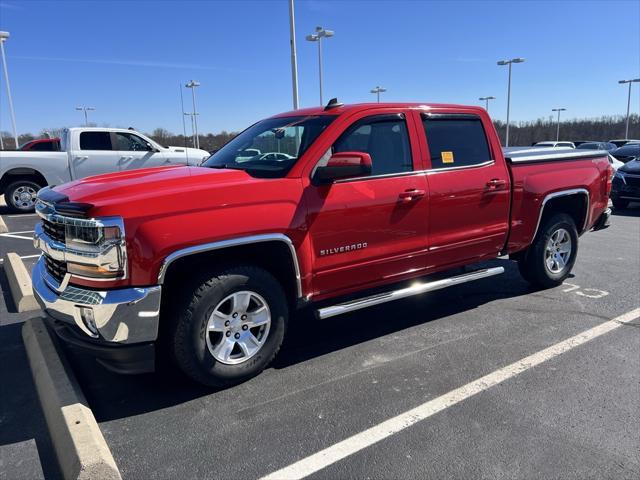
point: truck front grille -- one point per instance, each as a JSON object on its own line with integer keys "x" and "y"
{"x": 632, "y": 181}
{"x": 56, "y": 268}
{"x": 54, "y": 230}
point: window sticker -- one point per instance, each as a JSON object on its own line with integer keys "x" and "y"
{"x": 447, "y": 157}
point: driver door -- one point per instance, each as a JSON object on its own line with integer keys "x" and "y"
{"x": 135, "y": 152}
{"x": 371, "y": 230}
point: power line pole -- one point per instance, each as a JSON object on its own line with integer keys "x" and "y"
{"x": 3, "y": 38}
{"x": 294, "y": 55}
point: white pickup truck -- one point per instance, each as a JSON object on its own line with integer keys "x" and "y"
{"x": 84, "y": 152}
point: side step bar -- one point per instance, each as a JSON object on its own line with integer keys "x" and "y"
{"x": 415, "y": 289}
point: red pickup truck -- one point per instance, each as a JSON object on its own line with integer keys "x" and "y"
{"x": 334, "y": 208}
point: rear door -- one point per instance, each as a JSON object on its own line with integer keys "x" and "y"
{"x": 94, "y": 154}
{"x": 370, "y": 230}
{"x": 469, "y": 189}
{"x": 135, "y": 152}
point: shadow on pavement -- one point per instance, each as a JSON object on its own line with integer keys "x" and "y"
{"x": 21, "y": 418}
{"x": 114, "y": 396}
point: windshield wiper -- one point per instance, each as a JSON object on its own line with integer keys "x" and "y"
{"x": 226, "y": 165}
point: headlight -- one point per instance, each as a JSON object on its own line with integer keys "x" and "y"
{"x": 95, "y": 248}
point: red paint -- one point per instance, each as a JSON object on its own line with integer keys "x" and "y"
{"x": 411, "y": 224}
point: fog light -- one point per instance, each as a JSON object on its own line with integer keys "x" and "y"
{"x": 86, "y": 314}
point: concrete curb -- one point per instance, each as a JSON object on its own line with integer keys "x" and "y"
{"x": 80, "y": 448}
{"x": 19, "y": 283}
{"x": 3, "y": 226}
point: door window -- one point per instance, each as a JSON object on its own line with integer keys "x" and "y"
{"x": 384, "y": 138}
{"x": 130, "y": 142}
{"x": 456, "y": 142}
{"x": 95, "y": 141}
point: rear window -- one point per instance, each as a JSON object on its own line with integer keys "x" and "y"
{"x": 45, "y": 146}
{"x": 95, "y": 141}
{"x": 456, "y": 142}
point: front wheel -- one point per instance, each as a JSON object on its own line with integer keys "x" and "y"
{"x": 551, "y": 256}
{"x": 21, "y": 196}
{"x": 231, "y": 327}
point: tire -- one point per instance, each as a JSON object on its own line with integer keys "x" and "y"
{"x": 619, "y": 203}
{"x": 544, "y": 265}
{"x": 208, "y": 358}
{"x": 16, "y": 196}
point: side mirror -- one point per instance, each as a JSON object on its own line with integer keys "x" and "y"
{"x": 343, "y": 165}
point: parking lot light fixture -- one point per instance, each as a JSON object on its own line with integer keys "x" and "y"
{"x": 634, "y": 80}
{"x": 558, "y": 128}
{"x": 317, "y": 37}
{"x": 193, "y": 84}
{"x": 509, "y": 63}
{"x": 486, "y": 102}
{"x": 3, "y": 38}
{"x": 378, "y": 90}
{"x": 85, "y": 110}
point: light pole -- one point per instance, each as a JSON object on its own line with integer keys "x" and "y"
{"x": 378, "y": 90}
{"x": 626, "y": 131}
{"x": 558, "y": 128}
{"x": 192, "y": 85}
{"x": 486, "y": 101}
{"x": 509, "y": 62}
{"x": 86, "y": 117}
{"x": 317, "y": 37}
{"x": 3, "y": 38}
{"x": 294, "y": 55}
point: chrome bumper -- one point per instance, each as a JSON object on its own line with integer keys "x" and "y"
{"x": 122, "y": 316}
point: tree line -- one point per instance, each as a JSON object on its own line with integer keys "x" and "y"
{"x": 520, "y": 133}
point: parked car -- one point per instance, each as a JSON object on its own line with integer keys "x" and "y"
{"x": 555, "y": 144}
{"x": 622, "y": 142}
{"x": 267, "y": 156}
{"x": 626, "y": 184}
{"x": 42, "y": 145}
{"x": 607, "y": 146}
{"x": 83, "y": 152}
{"x": 629, "y": 152}
{"x": 207, "y": 265}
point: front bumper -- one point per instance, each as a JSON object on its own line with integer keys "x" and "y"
{"x": 626, "y": 190}
{"x": 106, "y": 323}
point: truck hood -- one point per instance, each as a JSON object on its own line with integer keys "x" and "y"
{"x": 631, "y": 167}
{"x": 144, "y": 186}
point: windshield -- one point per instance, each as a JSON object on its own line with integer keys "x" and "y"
{"x": 590, "y": 146}
{"x": 270, "y": 147}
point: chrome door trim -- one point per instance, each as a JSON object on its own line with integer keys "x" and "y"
{"x": 234, "y": 242}
{"x": 564, "y": 193}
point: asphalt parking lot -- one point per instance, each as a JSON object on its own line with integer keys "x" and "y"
{"x": 573, "y": 416}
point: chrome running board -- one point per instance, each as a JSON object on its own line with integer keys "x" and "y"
{"x": 415, "y": 289}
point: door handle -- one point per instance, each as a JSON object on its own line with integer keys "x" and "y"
{"x": 125, "y": 159}
{"x": 412, "y": 194}
{"x": 496, "y": 184}
{"x": 81, "y": 158}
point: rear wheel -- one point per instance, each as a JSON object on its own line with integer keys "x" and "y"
{"x": 550, "y": 258}
{"x": 21, "y": 195}
{"x": 620, "y": 203}
{"x": 231, "y": 327}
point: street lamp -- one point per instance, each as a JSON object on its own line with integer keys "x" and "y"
{"x": 626, "y": 131}
{"x": 294, "y": 55}
{"x": 486, "y": 101}
{"x": 3, "y": 38}
{"x": 192, "y": 85}
{"x": 86, "y": 117}
{"x": 558, "y": 128}
{"x": 378, "y": 90}
{"x": 509, "y": 62}
{"x": 317, "y": 37}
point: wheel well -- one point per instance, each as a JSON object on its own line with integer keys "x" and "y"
{"x": 574, "y": 205}
{"x": 275, "y": 257}
{"x": 21, "y": 174}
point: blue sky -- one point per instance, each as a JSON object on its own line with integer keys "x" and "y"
{"x": 127, "y": 58}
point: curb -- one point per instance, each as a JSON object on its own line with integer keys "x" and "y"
{"x": 3, "y": 226}
{"x": 19, "y": 283}
{"x": 80, "y": 448}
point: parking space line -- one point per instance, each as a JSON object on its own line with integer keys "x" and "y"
{"x": 13, "y": 235}
{"x": 362, "y": 440}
